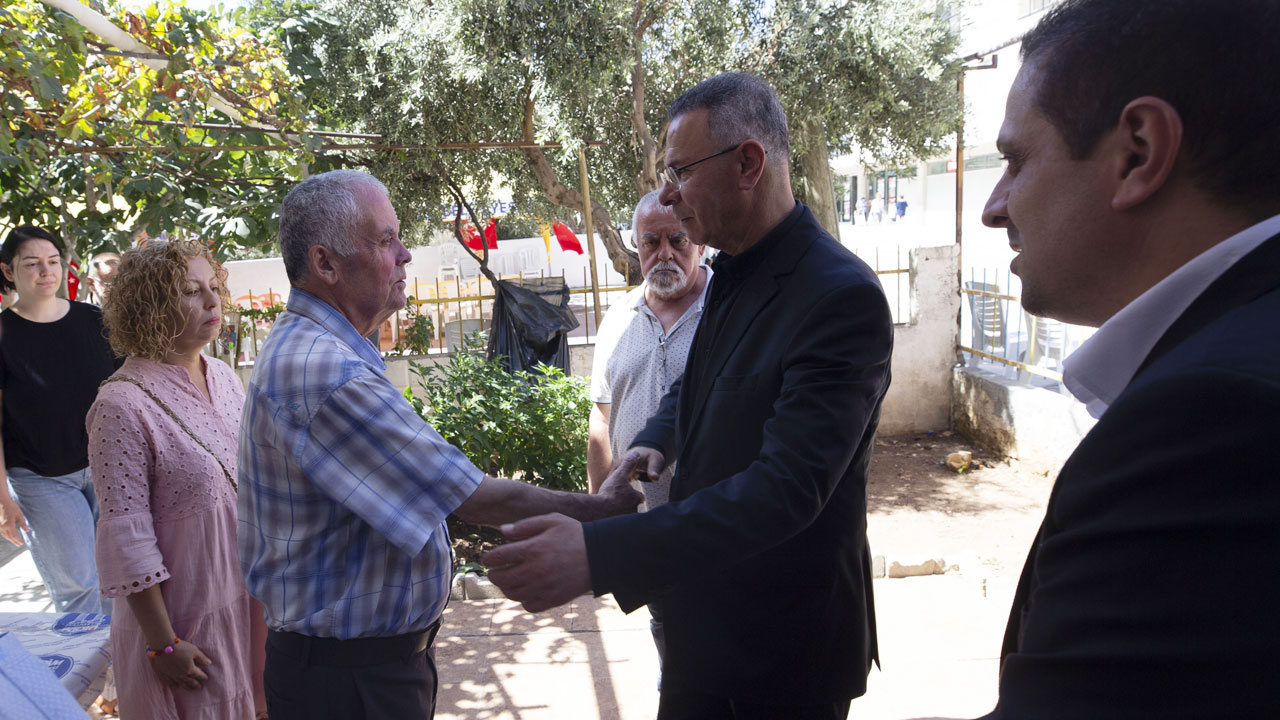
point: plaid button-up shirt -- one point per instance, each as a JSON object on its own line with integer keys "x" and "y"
{"x": 343, "y": 488}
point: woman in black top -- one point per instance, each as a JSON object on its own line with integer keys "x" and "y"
{"x": 52, "y": 359}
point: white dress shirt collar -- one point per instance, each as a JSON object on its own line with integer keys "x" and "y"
{"x": 1102, "y": 367}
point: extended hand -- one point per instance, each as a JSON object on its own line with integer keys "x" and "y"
{"x": 619, "y": 497}
{"x": 640, "y": 463}
{"x": 547, "y": 568}
{"x": 184, "y": 667}
{"x": 11, "y": 518}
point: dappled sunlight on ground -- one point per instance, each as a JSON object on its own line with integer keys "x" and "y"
{"x": 497, "y": 662}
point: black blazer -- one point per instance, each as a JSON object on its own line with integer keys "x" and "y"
{"x": 1149, "y": 592}
{"x": 760, "y": 560}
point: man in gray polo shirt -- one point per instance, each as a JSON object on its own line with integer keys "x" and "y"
{"x": 642, "y": 347}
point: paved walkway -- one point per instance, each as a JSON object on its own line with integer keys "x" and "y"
{"x": 21, "y": 589}
{"x": 939, "y": 639}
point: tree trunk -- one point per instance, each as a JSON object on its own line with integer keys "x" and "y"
{"x": 815, "y": 169}
{"x": 625, "y": 261}
{"x": 648, "y": 180}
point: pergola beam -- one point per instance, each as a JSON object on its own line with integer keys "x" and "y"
{"x": 114, "y": 149}
{"x": 114, "y": 35}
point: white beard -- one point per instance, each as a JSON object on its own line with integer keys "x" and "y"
{"x": 666, "y": 279}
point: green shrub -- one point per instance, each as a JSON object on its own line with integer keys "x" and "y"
{"x": 269, "y": 313}
{"x": 416, "y": 339}
{"x": 532, "y": 426}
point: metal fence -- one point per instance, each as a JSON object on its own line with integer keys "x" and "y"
{"x": 893, "y": 266}
{"x": 996, "y": 332}
{"x": 459, "y": 305}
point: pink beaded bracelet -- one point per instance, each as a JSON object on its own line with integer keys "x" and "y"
{"x": 167, "y": 650}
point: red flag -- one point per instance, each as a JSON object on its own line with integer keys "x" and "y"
{"x": 568, "y": 241}
{"x": 73, "y": 280}
{"x": 491, "y": 234}
{"x": 475, "y": 242}
{"x": 471, "y": 237}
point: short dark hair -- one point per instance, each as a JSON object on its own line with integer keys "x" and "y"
{"x": 740, "y": 106}
{"x": 15, "y": 240}
{"x": 1214, "y": 62}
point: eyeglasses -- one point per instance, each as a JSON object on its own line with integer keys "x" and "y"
{"x": 648, "y": 242}
{"x": 672, "y": 174}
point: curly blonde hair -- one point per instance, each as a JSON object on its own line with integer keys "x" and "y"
{"x": 141, "y": 305}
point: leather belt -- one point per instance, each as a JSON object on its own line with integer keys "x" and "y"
{"x": 356, "y": 652}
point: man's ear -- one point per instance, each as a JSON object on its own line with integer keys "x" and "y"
{"x": 322, "y": 264}
{"x": 1148, "y": 140}
{"x": 751, "y": 157}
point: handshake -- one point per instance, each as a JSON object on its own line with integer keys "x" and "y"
{"x": 547, "y": 565}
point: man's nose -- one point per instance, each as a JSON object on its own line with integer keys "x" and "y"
{"x": 996, "y": 212}
{"x": 669, "y": 194}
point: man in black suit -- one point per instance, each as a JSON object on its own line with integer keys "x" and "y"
{"x": 761, "y": 558}
{"x": 1141, "y": 193}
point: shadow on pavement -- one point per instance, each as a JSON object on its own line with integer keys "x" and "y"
{"x": 586, "y": 659}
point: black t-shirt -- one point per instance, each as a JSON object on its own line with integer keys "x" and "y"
{"x": 49, "y": 376}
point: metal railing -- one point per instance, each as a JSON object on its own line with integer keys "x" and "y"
{"x": 453, "y": 301}
{"x": 464, "y": 304}
{"x": 996, "y": 331}
{"x": 893, "y": 266}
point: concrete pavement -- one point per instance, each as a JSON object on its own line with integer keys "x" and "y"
{"x": 939, "y": 644}
{"x": 939, "y": 639}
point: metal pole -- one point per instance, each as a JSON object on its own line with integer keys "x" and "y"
{"x": 960, "y": 163}
{"x": 995, "y": 62}
{"x": 586, "y": 218}
{"x": 960, "y": 214}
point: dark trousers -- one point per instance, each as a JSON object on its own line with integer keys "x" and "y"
{"x": 310, "y": 678}
{"x": 659, "y": 633}
{"x": 685, "y": 704}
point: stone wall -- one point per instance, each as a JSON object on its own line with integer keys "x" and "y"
{"x": 924, "y": 351}
{"x": 1038, "y": 427}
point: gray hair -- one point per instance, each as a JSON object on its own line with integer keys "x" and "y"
{"x": 740, "y": 106}
{"x": 322, "y": 210}
{"x": 650, "y": 198}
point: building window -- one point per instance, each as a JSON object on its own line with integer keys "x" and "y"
{"x": 983, "y": 162}
{"x": 1031, "y": 7}
{"x": 973, "y": 162}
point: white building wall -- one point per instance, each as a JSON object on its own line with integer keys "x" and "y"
{"x": 262, "y": 282}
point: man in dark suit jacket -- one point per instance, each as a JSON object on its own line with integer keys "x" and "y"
{"x": 1142, "y": 193}
{"x": 760, "y": 559}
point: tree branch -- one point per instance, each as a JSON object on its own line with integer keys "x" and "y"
{"x": 647, "y": 180}
{"x": 626, "y": 262}
{"x": 460, "y": 203}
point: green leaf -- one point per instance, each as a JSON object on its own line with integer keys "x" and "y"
{"x": 49, "y": 88}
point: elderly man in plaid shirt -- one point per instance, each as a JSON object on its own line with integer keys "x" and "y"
{"x": 344, "y": 490}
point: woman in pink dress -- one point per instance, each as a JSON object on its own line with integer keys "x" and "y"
{"x": 186, "y": 641}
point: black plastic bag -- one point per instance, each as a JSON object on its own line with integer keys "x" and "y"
{"x": 531, "y": 324}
